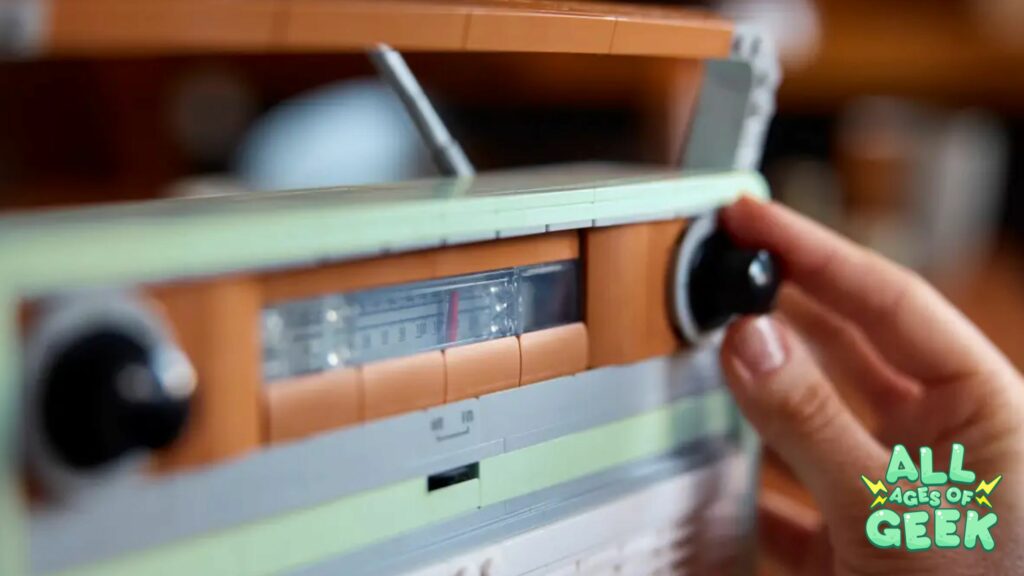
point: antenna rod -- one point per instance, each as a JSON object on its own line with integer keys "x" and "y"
{"x": 445, "y": 150}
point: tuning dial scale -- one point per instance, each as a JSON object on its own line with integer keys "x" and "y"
{"x": 105, "y": 384}
{"x": 716, "y": 280}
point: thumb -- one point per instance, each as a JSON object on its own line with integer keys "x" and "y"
{"x": 793, "y": 405}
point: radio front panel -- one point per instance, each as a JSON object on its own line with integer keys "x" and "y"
{"x": 506, "y": 374}
{"x": 430, "y": 373}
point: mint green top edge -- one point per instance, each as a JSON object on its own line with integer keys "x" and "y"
{"x": 164, "y": 240}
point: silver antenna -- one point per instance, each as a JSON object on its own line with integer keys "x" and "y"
{"x": 445, "y": 150}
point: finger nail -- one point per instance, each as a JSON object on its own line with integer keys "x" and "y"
{"x": 757, "y": 346}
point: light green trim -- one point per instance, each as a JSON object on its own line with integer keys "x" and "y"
{"x": 305, "y": 536}
{"x": 564, "y": 459}
{"x": 192, "y": 237}
{"x": 297, "y": 538}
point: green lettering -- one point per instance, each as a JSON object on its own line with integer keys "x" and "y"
{"x": 929, "y": 477}
{"x": 896, "y": 496}
{"x": 910, "y": 498}
{"x": 978, "y": 529}
{"x": 914, "y": 527}
{"x": 945, "y": 528}
{"x": 887, "y": 538}
{"x": 953, "y": 495}
{"x": 967, "y": 497}
{"x": 901, "y": 466}
{"x": 956, "y": 467}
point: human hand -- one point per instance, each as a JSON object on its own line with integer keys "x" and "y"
{"x": 930, "y": 376}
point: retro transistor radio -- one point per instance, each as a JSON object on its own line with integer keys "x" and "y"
{"x": 495, "y": 374}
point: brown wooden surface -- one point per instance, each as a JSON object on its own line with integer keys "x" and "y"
{"x": 931, "y": 51}
{"x": 176, "y": 26}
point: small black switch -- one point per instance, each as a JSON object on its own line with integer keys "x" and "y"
{"x": 727, "y": 280}
{"x": 453, "y": 476}
{"x": 107, "y": 393}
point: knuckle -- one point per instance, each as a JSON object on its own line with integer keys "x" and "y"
{"x": 807, "y": 409}
{"x": 907, "y": 287}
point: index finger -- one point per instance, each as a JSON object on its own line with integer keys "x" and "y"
{"x": 911, "y": 325}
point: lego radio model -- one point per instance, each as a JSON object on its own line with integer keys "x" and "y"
{"x": 501, "y": 374}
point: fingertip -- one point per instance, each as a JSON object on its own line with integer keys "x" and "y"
{"x": 757, "y": 343}
{"x": 743, "y": 215}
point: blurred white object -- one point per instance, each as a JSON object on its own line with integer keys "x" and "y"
{"x": 352, "y": 133}
{"x": 793, "y": 24}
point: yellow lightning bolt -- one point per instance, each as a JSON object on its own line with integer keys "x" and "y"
{"x": 986, "y": 488}
{"x": 875, "y": 488}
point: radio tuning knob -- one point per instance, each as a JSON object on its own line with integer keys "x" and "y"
{"x": 716, "y": 280}
{"x": 727, "y": 281}
{"x": 106, "y": 393}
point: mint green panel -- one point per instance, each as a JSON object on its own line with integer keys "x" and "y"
{"x": 300, "y": 537}
{"x": 571, "y": 457}
{"x": 174, "y": 239}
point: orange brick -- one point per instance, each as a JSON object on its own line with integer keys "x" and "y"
{"x": 628, "y": 311}
{"x": 403, "y": 384}
{"x": 507, "y": 253}
{"x": 553, "y": 352}
{"x": 305, "y": 405}
{"x": 540, "y": 32}
{"x": 216, "y": 324}
{"x": 160, "y": 25}
{"x": 324, "y": 24}
{"x": 482, "y": 368}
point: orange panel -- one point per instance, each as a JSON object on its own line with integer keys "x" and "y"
{"x": 403, "y": 25}
{"x": 553, "y": 352}
{"x": 482, "y": 368}
{"x": 663, "y": 243}
{"x": 531, "y": 26}
{"x": 521, "y": 251}
{"x": 309, "y": 404}
{"x": 349, "y": 276}
{"x": 149, "y": 25}
{"x": 708, "y": 38}
{"x": 416, "y": 266}
{"x": 540, "y": 32}
{"x": 616, "y": 293}
{"x": 403, "y": 384}
{"x": 628, "y": 311}
{"x": 216, "y": 323}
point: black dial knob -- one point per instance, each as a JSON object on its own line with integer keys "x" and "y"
{"x": 727, "y": 280}
{"x": 106, "y": 393}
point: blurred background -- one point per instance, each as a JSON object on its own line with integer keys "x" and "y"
{"x": 900, "y": 123}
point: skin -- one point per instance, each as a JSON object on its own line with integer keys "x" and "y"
{"x": 927, "y": 375}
